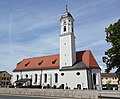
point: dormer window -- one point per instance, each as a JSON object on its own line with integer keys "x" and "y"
{"x": 64, "y": 28}
{"x": 40, "y": 62}
{"x": 27, "y": 64}
{"x": 53, "y": 62}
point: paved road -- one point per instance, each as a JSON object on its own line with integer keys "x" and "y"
{"x": 27, "y": 97}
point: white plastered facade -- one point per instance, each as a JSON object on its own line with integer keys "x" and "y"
{"x": 70, "y": 78}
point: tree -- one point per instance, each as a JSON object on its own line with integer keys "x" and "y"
{"x": 112, "y": 55}
{"x": 108, "y": 85}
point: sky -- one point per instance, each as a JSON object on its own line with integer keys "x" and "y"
{"x": 31, "y": 28}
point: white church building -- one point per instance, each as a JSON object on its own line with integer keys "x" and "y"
{"x": 67, "y": 70}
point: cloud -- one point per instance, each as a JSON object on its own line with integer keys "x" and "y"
{"x": 93, "y": 44}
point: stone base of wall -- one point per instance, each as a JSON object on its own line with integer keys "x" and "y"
{"x": 119, "y": 87}
{"x": 81, "y": 94}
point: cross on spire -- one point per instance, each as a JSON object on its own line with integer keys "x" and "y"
{"x": 66, "y": 5}
{"x": 66, "y": 8}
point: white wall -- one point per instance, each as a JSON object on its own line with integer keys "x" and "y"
{"x": 69, "y": 77}
{"x": 67, "y": 50}
{"x": 72, "y": 79}
{"x": 38, "y": 72}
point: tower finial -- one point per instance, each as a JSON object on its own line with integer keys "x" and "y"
{"x": 66, "y": 8}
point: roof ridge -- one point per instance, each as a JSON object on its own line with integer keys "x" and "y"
{"x": 52, "y": 55}
{"x": 41, "y": 56}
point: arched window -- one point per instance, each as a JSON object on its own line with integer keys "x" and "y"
{"x": 17, "y": 77}
{"x": 78, "y": 86}
{"x": 26, "y": 75}
{"x": 56, "y": 77}
{"x": 94, "y": 78}
{"x": 64, "y": 28}
{"x": 30, "y": 76}
{"x": 35, "y": 78}
{"x": 45, "y": 77}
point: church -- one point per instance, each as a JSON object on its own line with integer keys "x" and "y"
{"x": 70, "y": 69}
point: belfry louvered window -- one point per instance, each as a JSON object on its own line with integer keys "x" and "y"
{"x": 64, "y": 28}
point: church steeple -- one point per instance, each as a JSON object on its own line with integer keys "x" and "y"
{"x": 67, "y": 22}
{"x": 67, "y": 40}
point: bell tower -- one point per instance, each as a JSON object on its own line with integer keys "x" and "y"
{"x": 67, "y": 40}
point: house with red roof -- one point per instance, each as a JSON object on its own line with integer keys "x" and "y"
{"x": 67, "y": 70}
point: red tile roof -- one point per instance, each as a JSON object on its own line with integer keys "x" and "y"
{"x": 109, "y": 75}
{"x": 52, "y": 61}
{"x": 87, "y": 58}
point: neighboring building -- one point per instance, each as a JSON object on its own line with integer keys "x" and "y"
{"x": 69, "y": 69}
{"x": 5, "y": 79}
{"x": 109, "y": 81}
